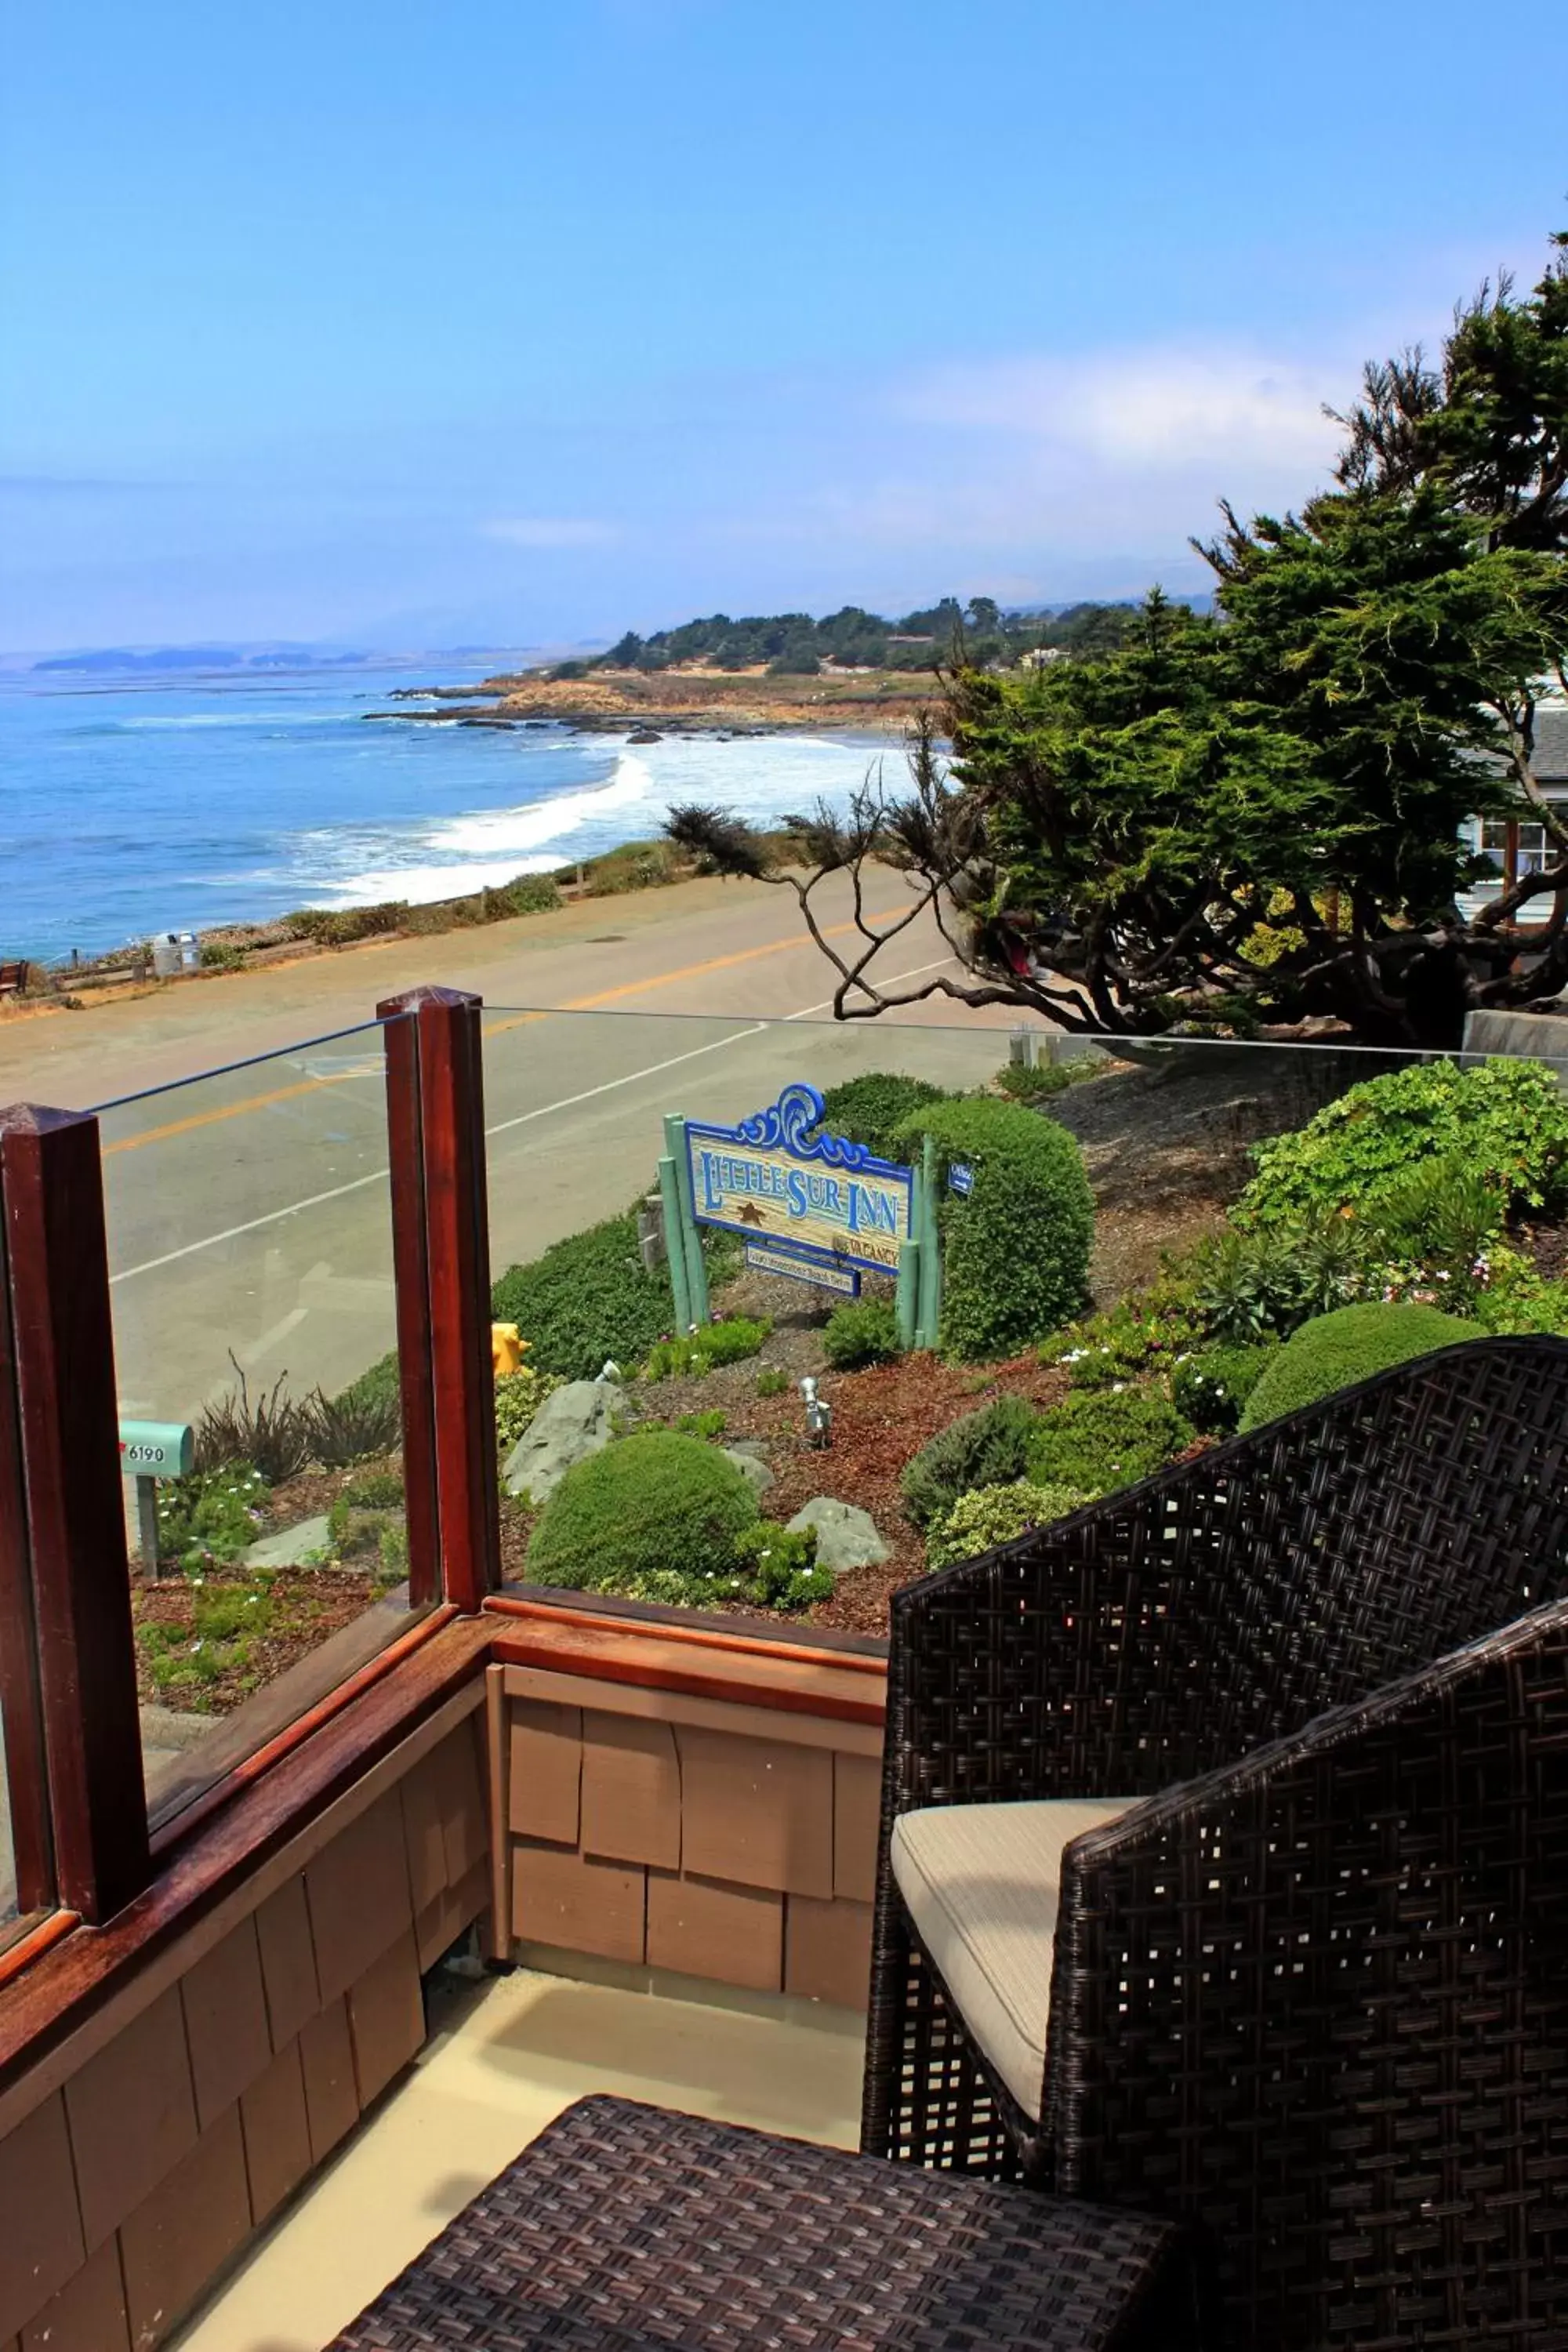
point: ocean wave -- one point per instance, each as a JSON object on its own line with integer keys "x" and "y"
{"x": 763, "y": 779}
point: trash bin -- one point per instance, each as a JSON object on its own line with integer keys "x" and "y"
{"x": 175, "y": 951}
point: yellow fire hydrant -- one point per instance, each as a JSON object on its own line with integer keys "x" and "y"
{"x": 506, "y": 1350}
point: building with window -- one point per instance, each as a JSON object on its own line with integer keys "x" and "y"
{"x": 1516, "y": 846}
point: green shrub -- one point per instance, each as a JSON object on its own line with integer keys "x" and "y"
{"x": 519, "y": 1396}
{"x": 1248, "y": 1283}
{"x": 771, "y": 1382}
{"x": 1099, "y": 1442}
{"x": 866, "y": 1333}
{"x": 212, "y": 1515}
{"x": 993, "y": 1514}
{"x": 778, "y": 1567}
{"x": 657, "y": 1516}
{"x": 703, "y": 1350}
{"x": 1338, "y": 1349}
{"x": 273, "y": 1434}
{"x": 1033, "y": 1082}
{"x": 988, "y": 1448}
{"x": 1015, "y": 1248}
{"x": 1140, "y": 1334}
{"x": 530, "y": 894}
{"x": 1512, "y": 1296}
{"x": 1504, "y": 1121}
{"x": 1212, "y": 1386}
{"x": 221, "y": 955}
{"x": 876, "y": 1111}
{"x": 365, "y": 1419}
{"x": 589, "y": 1297}
{"x": 340, "y": 927}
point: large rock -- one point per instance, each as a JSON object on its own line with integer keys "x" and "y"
{"x": 846, "y": 1536}
{"x": 751, "y": 1468}
{"x": 296, "y": 1546}
{"x": 577, "y": 1421}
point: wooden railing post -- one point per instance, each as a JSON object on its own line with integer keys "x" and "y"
{"x": 60, "y": 1374}
{"x": 411, "y": 1277}
{"x": 454, "y": 1246}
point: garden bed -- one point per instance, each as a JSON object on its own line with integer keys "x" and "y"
{"x": 203, "y": 1647}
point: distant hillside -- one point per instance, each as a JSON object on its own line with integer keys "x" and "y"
{"x": 793, "y": 645}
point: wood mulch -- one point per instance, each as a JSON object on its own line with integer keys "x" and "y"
{"x": 304, "y": 1607}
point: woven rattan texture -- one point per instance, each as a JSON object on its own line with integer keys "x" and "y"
{"x": 626, "y": 2225}
{"x": 1317, "y": 1993}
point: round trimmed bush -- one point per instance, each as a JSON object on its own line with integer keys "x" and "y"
{"x": 988, "y": 1448}
{"x": 657, "y": 1516}
{"x": 1015, "y": 1245}
{"x": 993, "y": 1514}
{"x": 874, "y": 1109}
{"x": 1100, "y": 1439}
{"x": 1335, "y": 1351}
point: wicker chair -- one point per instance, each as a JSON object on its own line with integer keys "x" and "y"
{"x": 1306, "y": 1980}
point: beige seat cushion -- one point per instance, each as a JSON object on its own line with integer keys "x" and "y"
{"x": 980, "y": 1882}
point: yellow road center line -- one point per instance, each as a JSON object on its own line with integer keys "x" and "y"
{"x": 515, "y": 1021}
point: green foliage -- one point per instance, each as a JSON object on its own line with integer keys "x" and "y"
{"x": 771, "y": 1382}
{"x": 1249, "y": 1284}
{"x": 1111, "y": 1438}
{"x": 376, "y": 1490}
{"x": 1212, "y": 1386}
{"x": 1142, "y": 1333}
{"x": 876, "y": 1109}
{"x": 656, "y": 1515}
{"x": 702, "y": 1351}
{"x": 221, "y": 955}
{"x": 635, "y": 865}
{"x": 778, "y": 1567}
{"x": 1504, "y": 1122}
{"x": 988, "y": 1448}
{"x": 1040, "y": 1082}
{"x": 1016, "y": 1249}
{"x": 990, "y": 1515}
{"x": 864, "y": 1333}
{"x": 795, "y": 645}
{"x": 340, "y": 927}
{"x": 365, "y": 1419}
{"x": 1514, "y": 1297}
{"x": 213, "y": 1514}
{"x": 589, "y": 1297}
{"x": 519, "y": 1396}
{"x": 530, "y": 894}
{"x": 702, "y": 1424}
{"x": 1353, "y": 1343}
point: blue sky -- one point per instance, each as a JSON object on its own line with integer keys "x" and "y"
{"x": 418, "y": 325}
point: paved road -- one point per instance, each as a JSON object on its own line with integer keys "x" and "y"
{"x": 248, "y": 1210}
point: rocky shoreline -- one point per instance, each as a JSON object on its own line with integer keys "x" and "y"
{"x": 695, "y": 702}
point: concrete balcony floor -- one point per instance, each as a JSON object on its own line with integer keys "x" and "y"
{"x": 505, "y": 2056}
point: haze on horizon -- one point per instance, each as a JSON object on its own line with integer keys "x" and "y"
{"x": 504, "y": 326}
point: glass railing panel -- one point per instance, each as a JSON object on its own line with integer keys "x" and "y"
{"x": 1230, "y": 1194}
{"x": 251, "y": 1278}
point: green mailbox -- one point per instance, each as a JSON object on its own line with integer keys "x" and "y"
{"x": 151, "y": 1450}
{"x": 156, "y": 1449}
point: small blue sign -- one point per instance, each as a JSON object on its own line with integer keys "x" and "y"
{"x": 961, "y": 1180}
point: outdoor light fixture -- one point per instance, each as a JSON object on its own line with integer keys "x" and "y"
{"x": 818, "y": 1415}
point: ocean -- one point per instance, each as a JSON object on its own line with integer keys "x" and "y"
{"x": 130, "y": 806}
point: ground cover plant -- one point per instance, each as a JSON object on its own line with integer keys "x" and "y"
{"x": 703, "y": 1351}
{"x": 989, "y": 1447}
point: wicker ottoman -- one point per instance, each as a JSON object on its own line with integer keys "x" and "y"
{"x": 627, "y": 2226}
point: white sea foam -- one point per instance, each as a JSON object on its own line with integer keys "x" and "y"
{"x": 763, "y": 778}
